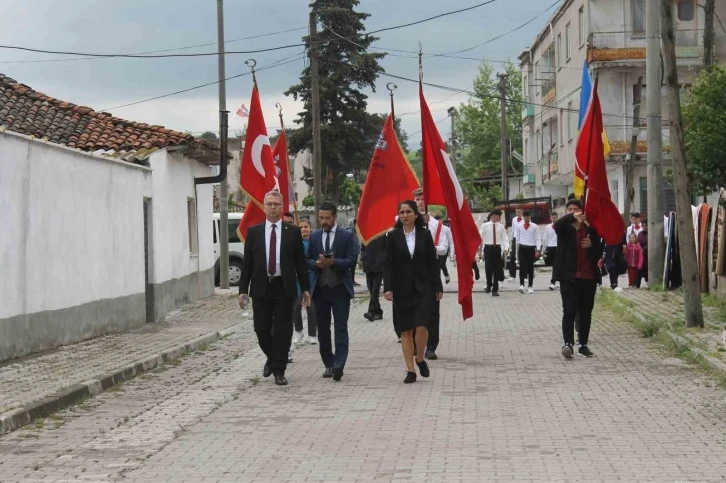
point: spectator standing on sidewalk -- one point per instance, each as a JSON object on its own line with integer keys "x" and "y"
{"x": 550, "y": 247}
{"x": 643, "y": 242}
{"x": 634, "y": 256}
{"x": 372, "y": 256}
{"x": 576, "y": 268}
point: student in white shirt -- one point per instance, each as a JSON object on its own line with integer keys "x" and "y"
{"x": 516, "y": 223}
{"x": 635, "y": 226}
{"x": 529, "y": 241}
{"x": 550, "y": 244}
{"x": 445, "y": 232}
{"x": 494, "y": 237}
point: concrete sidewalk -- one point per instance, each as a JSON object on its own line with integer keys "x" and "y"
{"x": 42, "y": 383}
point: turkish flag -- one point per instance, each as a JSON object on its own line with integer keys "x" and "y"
{"x": 257, "y": 173}
{"x": 390, "y": 180}
{"x": 602, "y": 214}
{"x": 463, "y": 228}
{"x": 253, "y": 215}
{"x": 282, "y": 170}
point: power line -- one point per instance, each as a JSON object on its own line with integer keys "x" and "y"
{"x": 274, "y": 64}
{"x": 156, "y": 51}
{"x": 269, "y": 49}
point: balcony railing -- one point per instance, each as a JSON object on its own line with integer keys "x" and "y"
{"x": 528, "y": 176}
{"x": 527, "y": 112}
{"x": 549, "y": 90}
{"x": 550, "y": 165}
{"x": 626, "y": 45}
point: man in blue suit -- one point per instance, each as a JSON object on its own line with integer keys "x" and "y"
{"x": 331, "y": 255}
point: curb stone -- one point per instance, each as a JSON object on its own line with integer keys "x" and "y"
{"x": 19, "y": 417}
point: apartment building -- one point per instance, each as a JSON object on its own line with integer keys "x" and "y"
{"x": 610, "y": 36}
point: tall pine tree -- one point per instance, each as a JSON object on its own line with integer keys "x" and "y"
{"x": 345, "y": 67}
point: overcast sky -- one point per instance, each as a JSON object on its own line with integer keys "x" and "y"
{"x": 131, "y": 26}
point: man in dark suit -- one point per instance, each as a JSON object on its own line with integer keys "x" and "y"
{"x": 274, "y": 263}
{"x": 331, "y": 255}
{"x": 372, "y": 256}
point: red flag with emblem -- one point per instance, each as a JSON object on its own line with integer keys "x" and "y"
{"x": 436, "y": 162}
{"x": 253, "y": 215}
{"x": 282, "y": 170}
{"x": 390, "y": 180}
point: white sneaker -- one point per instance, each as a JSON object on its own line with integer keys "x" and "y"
{"x": 297, "y": 338}
{"x": 552, "y": 286}
{"x": 644, "y": 284}
{"x": 521, "y": 289}
{"x": 618, "y": 289}
{"x": 531, "y": 290}
{"x": 311, "y": 340}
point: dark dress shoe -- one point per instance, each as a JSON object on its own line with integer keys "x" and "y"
{"x": 431, "y": 355}
{"x": 488, "y": 290}
{"x": 368, "y": 316}
{"x": 328, "y": 372}
{"x": 378, "y": 316}
{"x": 337, "y": 374}
{"x": 495, "y": 294}
{"x": 280, "y": 380}
{"x": 410, "y": 377}
{"x": 423, "y": 368}
{"x": 267, "y": 371}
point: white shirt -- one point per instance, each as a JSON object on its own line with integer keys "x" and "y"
{"x": 443, "y": 247}
{"x": 530, "y": 237}
{"x": 278, "y": 236}
{"x": 515, "y": 226}
{"x": 550, "y": 236}
{"x": 445, "y": 230}
{"x": 410, "y": 240}
{"x": 331, "y": 235}
{"x": 631, "y": 229}
{"x": 487, "y": 234}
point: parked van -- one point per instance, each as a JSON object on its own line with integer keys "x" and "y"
{"x": 236, "y": 248}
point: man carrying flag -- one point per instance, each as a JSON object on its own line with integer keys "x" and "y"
{"x": 441, "y": 186}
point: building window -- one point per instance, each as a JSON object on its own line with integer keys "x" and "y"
{"x": 559, "y": 51}
{"x": 637, "y": 12}
{"x": 615, "y": 192}
{"x": 192, "y": 226}
{"x": 568, "y": 39}
{"x": 686, "y": 10}
{"x": 569, "y": 121}
{"x": 233, "y": 237}
{"x": 561, "y": 123}
{"x": 643, "y": 188}
{"x": 581, "y": 34}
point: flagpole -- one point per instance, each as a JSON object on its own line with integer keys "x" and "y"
{"x": 287, "y": 157}
{"x": 423, "y": 131}
{"x": 252, "y": 63}
{"x": 392, "y": 87}
{"x": 587, "y": 164}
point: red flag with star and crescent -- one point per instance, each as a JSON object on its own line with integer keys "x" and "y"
{"x": 257, "y": 170}
{"x": 445, "y": 190}
{"x": 282, "y": 170}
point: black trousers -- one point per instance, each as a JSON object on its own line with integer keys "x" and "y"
{"x": 475, "y": 267}
{"x": 578, "y": 299}
{"x": 613, "y": 274}
{"x": 374, "y": 281}
{"x": 297, "y": 317}
{"x": 352, "y": 269}
{"x": 513, "y": 259}
{"x": 526, "y": 264}
{"x": 442, "y": 263}
{"x": 272, "y": 315}
{"x": 493, "y": 265}
{"x": 434, "y": 325}
{"x": 550, "y": 255}
{"x": 332, "y": 303}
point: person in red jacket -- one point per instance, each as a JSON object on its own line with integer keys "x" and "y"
{"x": 634, "y": 257}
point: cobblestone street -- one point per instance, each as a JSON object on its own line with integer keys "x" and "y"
{"x": 501, "y": 405}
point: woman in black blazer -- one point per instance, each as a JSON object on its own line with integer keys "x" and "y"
{"x": 412, "y": 281}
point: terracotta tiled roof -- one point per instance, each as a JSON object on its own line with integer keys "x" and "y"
{"x": 26, "y": 111}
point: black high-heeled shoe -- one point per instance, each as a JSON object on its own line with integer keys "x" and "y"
{"x": 423, "y": 368}
{"x": 410, "y": 378}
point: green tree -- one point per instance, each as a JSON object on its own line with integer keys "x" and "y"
{"x": 704, "y": 117}
{"x": 345, "y": 68}
{"x": 209, "y": 136}
{"x": 350, "y": 192}
{"x": 309, "y": 200}
{"x": 478, "y": 127}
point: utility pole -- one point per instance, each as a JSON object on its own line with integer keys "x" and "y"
{"x": 452, "y": 114}
{"x": 684, "y": 218}
{"x": 223, "y": 188}
{"x": 315, "y": 87}
{"x": 708, "y": 33}
{"x": 503, "y": 108}
{"x": 656, "y": 239}
{"x": 630, "y": 165}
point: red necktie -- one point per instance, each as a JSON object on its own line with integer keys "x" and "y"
{"x": 272, "y": 258}
{"x": 526, "y": 226}
{"x": 519, "y": 220}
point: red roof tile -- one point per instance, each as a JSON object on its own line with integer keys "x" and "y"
{"x": 26, "y": 111}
